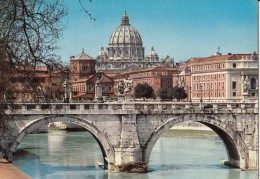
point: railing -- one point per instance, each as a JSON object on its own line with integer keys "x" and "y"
{"x": 138, "y": 107}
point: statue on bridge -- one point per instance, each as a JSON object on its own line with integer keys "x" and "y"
{"x": 125, "y": 86}
{"x": 124, "y": 89}
{"x": 121, "y": 87}
{"x": 128, "y": 85}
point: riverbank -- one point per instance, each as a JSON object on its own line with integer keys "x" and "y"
{"x": 189, "y": 132}
{"x": 8, "y": 171}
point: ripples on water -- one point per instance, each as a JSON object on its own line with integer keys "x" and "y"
{"x": 74, "y": 155}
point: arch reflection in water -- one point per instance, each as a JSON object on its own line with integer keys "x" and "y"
{"x": 77, "y": 153}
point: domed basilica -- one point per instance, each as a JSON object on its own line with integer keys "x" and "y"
{"x": 125, "y": 51}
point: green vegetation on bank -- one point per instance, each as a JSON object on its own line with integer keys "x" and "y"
{"x": 188, "y": 133}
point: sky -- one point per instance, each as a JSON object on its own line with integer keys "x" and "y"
{"x": 181, "y": 29}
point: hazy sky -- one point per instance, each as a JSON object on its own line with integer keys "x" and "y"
{"x": 179, "y": 28}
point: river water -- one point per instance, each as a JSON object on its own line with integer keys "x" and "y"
{"x": 74, "y": 155}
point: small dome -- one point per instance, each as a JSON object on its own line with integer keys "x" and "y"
{"x": 125, "y": 34}
{"x": 102, "y": 52}
{"x": 153, "y": 53}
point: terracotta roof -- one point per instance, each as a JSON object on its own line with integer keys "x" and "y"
{"x": 82, "y": 56}
{"x": 81, "y": 79}
{"x": 32, "y": 68}
{"x": 111, "y": 74}
{"x": 220, "y": 58}
{"x": 159, "y": 68}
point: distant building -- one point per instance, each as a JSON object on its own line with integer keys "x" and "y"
{"x": 183, "y": 77}
{"x": 156, "y": 77}
{"x": 227, "y": 78}
{"x": 37, "y": 83}
{"x": 84, "y": 88}
{"x": 82, "y": 66}
{"x": 125, "y": 51}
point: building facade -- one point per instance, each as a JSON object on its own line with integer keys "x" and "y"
{"x": 82, "y": 66}
{"x": 156, "y": 77}
{"x": 224, "y": 78}
{"x": 38, "y": 83}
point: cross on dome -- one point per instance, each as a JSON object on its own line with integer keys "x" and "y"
{"x": 125, "y": 20}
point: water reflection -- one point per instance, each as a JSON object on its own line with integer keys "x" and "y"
{"x": 70, "y": 155}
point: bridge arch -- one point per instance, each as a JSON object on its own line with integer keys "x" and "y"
{"x": 234, "y": 144}
{"x": 106, "y": 148}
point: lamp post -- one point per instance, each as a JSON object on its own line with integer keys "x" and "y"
{"x": 209, "y": 90}
{"x": 200, "y": 93}
{"x": 67, "y": 91}
{"x": 190, "y": 93}
{"x": 189, "y": 88}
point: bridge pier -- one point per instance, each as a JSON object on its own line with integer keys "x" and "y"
{"x": 127, "y": 155}
{"x": 129, "y": 149}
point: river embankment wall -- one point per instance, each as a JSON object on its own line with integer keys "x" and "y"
{"x": 8, "y": 171}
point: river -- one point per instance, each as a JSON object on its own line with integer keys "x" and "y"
{"x": 74, "y": 155}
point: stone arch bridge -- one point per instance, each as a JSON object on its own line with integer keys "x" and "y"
{"x": 127, "y": 132}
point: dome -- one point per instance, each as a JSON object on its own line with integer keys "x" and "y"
{"x": 153, "y": 53}
{"x": 102, "y": 52}
{"x": 125, "y": 34}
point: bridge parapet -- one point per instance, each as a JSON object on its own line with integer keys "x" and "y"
{"x": 134, "y": 107}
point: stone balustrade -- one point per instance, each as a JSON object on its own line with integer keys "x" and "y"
{"x": 139, "y": 107}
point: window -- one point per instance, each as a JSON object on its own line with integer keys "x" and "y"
{"x": 234, "y": 85}
{"x": 253, "y": 83}
{"x": 90, "y": 88}
{"x": 253, "y": 94}
{"x": 164, "y": 81}
{"x": 234, "y": 94}
{"x": 84, "y": 67}
{"x": 234, "y": 65}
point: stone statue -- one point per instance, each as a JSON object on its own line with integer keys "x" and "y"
{"x": 245, "y": 85}
{"x": 128, "y": 85}
{"x": 121, "y": 87}
{"x": 99, "y": 77}
{"x": 253, "y": 56}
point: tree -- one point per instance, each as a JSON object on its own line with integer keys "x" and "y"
{"x": 143, "y": 91}
{"x": 29, "y": 30}
{"x": 179, "y": 93}
{"x": 171, "y": 92}
{"x": 165, "y": 93}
